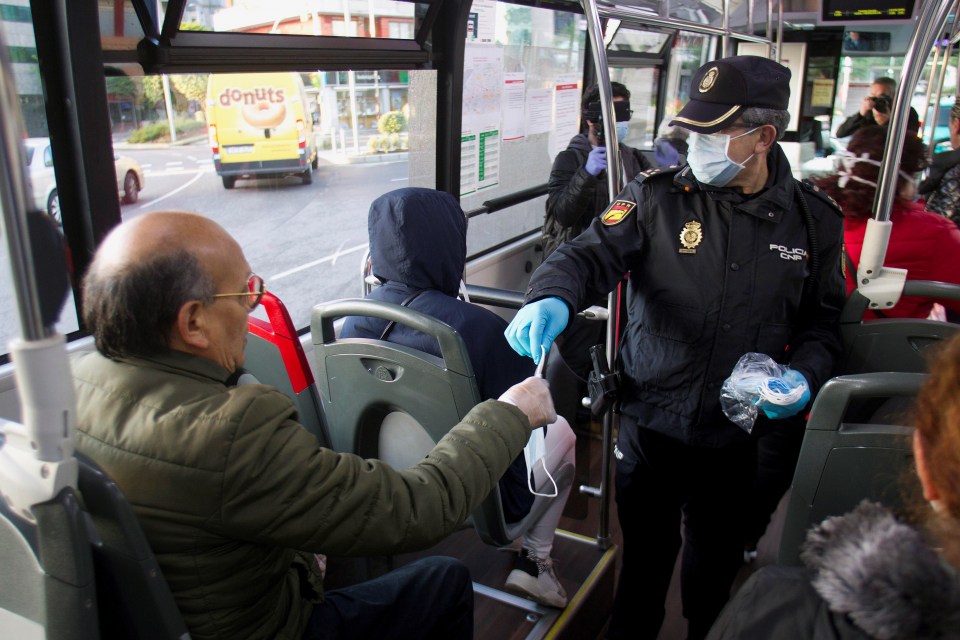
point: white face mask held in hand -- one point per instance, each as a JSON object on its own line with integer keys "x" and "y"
{"x": 536, "y": 448}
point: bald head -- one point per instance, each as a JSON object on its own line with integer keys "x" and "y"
{"x": 159, "y": 234}
{"x": 146, "y": 270}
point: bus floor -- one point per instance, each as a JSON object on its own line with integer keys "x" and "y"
{"x": 579, "y": 562}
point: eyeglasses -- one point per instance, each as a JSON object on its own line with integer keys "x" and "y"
{"x": 256, "y": 287}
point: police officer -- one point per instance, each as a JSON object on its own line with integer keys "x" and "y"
{"x": 725, "y": 256}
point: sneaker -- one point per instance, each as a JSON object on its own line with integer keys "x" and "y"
{"x": 534, "y": 578}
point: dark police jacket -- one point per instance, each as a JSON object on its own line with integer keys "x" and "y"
{"x": 713, "y": 274}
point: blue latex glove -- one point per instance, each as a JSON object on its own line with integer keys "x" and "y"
{"x": 790, "y": 381}
{"x": 537, "y": 324}
{"x": 596, "y": 161}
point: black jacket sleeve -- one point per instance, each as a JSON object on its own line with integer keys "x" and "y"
{"x": 570, "y": 191}
{"x": 590, "y": 265}
{"x": 851, "y": 124}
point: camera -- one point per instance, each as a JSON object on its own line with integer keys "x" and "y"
{"x": 882, "y": 103}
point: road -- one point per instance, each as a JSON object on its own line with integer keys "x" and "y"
{"x": 305, "y": 240}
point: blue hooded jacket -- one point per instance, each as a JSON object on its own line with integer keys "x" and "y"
{"x": 418, "y": 246}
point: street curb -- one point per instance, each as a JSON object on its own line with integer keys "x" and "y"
{"x": 159, "y": 145}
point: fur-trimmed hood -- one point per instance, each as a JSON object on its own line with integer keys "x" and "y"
{"x": 883, "y": 575}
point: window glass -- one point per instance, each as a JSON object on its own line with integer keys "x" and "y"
{"x": 642, "y": 84}
{"x": 638, "y": 41}
{"x": 15, "y": 21}
{"x": 369, "y": 19}
{"x": 690, "y": 52}
{"x": 708, "y": 12}
{"x": 521, "y": 107}
{"x": 288, "y": 163}
{"x": 120, "y": 30}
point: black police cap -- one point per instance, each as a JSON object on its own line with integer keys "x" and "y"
{"x": 722, "y": 89}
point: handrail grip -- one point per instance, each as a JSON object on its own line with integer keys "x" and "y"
{"x": 509, "y": 200}
{"x": 495, "y": 297}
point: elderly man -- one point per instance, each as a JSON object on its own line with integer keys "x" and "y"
{"x": 229, "y": 489}
{"x": 727, "y": 255}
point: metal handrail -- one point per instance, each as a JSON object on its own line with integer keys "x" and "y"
{"x": 933, "y": 16}
{"x": 509, "y": 200}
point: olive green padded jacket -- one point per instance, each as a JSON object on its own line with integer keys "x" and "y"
{"x": 227, "y": 485}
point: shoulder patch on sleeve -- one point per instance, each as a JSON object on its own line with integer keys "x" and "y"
{"x": 617, "y": 212}
{"x": 813, "y": 189}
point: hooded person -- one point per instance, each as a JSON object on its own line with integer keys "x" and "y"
{"x": 418, "y": 250}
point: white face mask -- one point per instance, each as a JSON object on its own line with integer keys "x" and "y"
{"x": 848, "y": 161}
{"x": 534, "y": 453}
{"x": 536, "y": 447}
{"x": 709, "y": 160}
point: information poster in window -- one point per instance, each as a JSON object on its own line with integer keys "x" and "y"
{"x": 480, "y": 135}
{"x": 482, "y": 22}
{"x": 514, "y": 91}
{"x": 566, "y": 112}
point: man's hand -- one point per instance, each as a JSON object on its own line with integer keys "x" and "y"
{"x": 537, "y": 325}
{"x": 791, "y": 381}
{"x": 532, "y": 396}
{"x": 596, "y": 161}
{"x": 866, "y": 106}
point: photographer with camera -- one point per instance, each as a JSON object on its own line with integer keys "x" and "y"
{"x": 578, "y": 194}
{"x": 875, "y": 109}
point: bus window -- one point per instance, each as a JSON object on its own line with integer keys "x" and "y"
{"x": 18, "y": 29}
{"x": 544, "y": 50}
{"x": 288, "y": 163}
{"x": 315, "y": 18}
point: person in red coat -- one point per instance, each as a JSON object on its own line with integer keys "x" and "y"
{"x": 926, "y": 244}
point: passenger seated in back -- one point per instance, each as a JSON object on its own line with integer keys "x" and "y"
{"x": 418, "y": 248}
{"x": 230, "y": 490}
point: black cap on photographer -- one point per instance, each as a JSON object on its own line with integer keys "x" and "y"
{"x": 722, "y": 89}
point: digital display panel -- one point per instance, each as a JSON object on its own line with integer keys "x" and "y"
{"x": 847, "y": 10}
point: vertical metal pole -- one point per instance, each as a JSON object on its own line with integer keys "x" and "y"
{"x": 779, "y": 31}
{"x": 933, "y": 17}
{"x": 13, "y": 199}
{"x": 930, "y": 81}
{"x": 774, "y": 50}
{"x": 725, "y": 25}
{"x": 614, "y": 184}
{"x": 943, "y": 74}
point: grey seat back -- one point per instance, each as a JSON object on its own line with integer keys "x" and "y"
{"x": 365, "y": 383}
{"x": 47, "y": 587}
{"x": 842, "y": 462}
{"x": 895, "y": 344}
{"x": 135, "y": 601}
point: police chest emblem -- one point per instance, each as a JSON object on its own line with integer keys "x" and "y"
{"x": 709, "y": 79}
{"x": 617, "y": 212}
{"x": 691, "y": 237}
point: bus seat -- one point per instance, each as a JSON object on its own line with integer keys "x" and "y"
{"x": 388, "y": 401}
{"x": 894, "y": 344}
{"x": 134, "y": 599}
{"x": 842, "y": 462}
{"x": 275, "y": 356}
{"x": 48, "y": 588}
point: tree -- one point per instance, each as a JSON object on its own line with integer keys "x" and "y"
{"x": 192, "y": 86}
{"x": 392, "y": 122}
